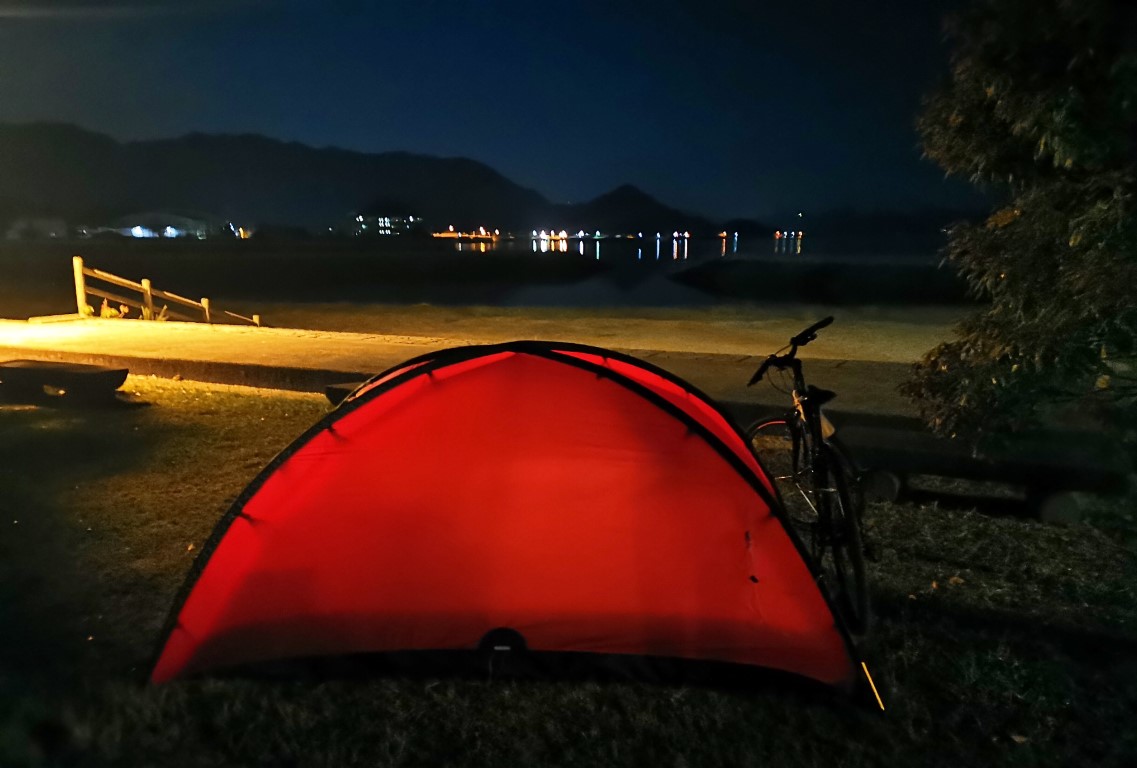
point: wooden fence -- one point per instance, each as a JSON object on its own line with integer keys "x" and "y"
{"x": 145, "y": 302}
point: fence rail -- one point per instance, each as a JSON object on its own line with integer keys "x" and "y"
{"x": 145, "y": 302}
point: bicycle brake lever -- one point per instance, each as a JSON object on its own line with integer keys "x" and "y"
{"x": 757, "y": 377}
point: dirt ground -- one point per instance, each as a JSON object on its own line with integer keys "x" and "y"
{"x": 863, "y": 356}
{"x": 867, "y": 333}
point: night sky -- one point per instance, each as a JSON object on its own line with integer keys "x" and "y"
{"x": 745, "y": 108}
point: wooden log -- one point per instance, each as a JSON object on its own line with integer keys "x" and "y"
{"x": 26, "y": 379}
{"x": 81, "y": 305}
{"x": 147, "y": 299}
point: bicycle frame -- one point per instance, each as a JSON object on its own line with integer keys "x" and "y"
{"x": 824, "y": 476}
{"x": 807, "y": 415}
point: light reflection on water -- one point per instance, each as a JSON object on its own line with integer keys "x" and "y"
{"x": 595, "y": 247}
{"x": 733, "y": 240}
{"x": 619, "y": 250}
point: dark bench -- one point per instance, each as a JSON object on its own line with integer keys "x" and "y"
{"x": 1053, "y": 466}
{"x": 30, "y": 381}
{"x": 1049, "y": 465}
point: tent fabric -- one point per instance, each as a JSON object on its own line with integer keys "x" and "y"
{"x": 580, "y": 498}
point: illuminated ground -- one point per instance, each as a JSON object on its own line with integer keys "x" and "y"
{"x": 863, "y": 356}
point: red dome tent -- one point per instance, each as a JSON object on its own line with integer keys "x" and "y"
{"x": 573, "y": 496}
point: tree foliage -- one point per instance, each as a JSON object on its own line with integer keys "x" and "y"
{"x": 1040, "y": 109}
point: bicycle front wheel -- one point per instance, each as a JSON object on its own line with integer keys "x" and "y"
{"x": 842, "y": 547}
{"x": 783, "y": 447}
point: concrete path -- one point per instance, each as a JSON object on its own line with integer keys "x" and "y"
{"x": 865, "y": 369}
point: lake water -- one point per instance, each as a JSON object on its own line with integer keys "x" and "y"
{"x": 680, "y": 271}
{"x": 586, "y": 272}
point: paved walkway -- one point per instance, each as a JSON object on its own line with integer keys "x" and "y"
{"x": 865, "y": 374}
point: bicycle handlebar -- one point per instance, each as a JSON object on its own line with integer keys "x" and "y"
{"x": 810, "y": 333}
{"x": 782, "y": 361}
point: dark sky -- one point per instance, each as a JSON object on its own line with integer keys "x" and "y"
{"x": 723, "y": 108}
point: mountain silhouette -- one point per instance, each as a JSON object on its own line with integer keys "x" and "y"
{"x": 630, "y": 209}
{"x": 52, "y": 169}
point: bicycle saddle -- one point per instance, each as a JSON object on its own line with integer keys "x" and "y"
{"x": 819, "y": 395}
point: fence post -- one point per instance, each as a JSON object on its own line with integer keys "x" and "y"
{"x": 147, "y": 299}
{"x": 205, "y": 310}
{"x": 80, "y": 288}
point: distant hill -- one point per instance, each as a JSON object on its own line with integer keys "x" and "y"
{"x": 628, "y": 209}
{"x": 882, "y": 231}
{"x": 86, "y": 177}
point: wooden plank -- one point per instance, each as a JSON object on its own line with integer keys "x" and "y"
{"x": 43, "y": 319}
{"x": 107, "y": 277}
{"x": 176, "y": 298}
{"x": 254, "y": 320}
{"x": 113, "y": 297}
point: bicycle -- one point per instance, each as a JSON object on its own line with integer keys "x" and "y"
{"x": 817, "y": 482}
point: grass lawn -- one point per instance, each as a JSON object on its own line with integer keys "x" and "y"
{"x": 1001, "y": 641}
